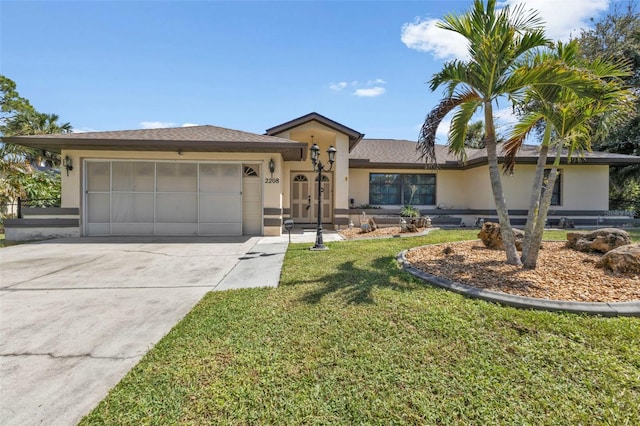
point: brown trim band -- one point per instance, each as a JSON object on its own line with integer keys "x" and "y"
{"x": 272, "y": 211}
{"x": 286, "y": 211}
{"x": 341, "y": 221}
{"x": 340, "y": 211}
{"x": 41, "y": 223}
{"x": 272, "y": 222}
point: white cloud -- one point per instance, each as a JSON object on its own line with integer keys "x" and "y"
{"x": 562, "y": 19}
{"x": 370, "y": 92}
{"x": 189, "y": 125}
{"x": 376, "y": 81}
{"x": 83, "y": 130}
{"x": 425, "y": 36}
{"x": 338, "y": 86}
{"x": 442, "y": 134}
{"x": 156, "y": 124}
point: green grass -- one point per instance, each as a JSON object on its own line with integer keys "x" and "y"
{"x": 348, "y": 338}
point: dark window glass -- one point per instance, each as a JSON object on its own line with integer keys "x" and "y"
{"x": 556, "y": 196}
{"x": 402, "y": 189}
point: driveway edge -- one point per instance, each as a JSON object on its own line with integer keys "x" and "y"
{"x": 608, "y": 309}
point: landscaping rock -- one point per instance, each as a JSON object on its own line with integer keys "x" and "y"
{"x": 623, "y": 259}
{"x": 372, "y": 224}
{"x": 492, "y": 238}
{"x": 602, "y": 240}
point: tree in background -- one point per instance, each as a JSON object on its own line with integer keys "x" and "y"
{"x": 617, "y": 36}
{"x": 19, "y": 166}
{"x": 475, "y": 135}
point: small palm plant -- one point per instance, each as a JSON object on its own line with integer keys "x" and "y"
{"x": 409, "y": 211}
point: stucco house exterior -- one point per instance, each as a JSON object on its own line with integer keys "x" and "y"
{"x": 207, "y": 180}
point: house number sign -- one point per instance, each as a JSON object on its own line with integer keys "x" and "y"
{"x": 271, "y": 180}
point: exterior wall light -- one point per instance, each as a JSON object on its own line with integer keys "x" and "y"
{"x": 67, "y": 164}
{"x": 272, "y": 166}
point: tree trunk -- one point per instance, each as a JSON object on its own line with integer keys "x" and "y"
{"x": 496, "y": 186}
{"x": 536, "y": 238}
{"x": 534, "y": 203}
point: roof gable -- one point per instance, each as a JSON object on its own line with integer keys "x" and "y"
{"x": 354, "y": 136}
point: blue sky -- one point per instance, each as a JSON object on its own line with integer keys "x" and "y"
{"x": 114, "y": 65}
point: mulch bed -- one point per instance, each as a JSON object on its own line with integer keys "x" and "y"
{"x": 561, "y": 273}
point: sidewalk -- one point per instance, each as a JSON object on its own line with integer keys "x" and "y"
{"x": 261, "y": 266}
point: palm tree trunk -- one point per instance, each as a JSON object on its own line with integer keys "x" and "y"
{"x": 534, "y": 203}
{"x": 496, "y": 186}
{"x": 536, "y": 238}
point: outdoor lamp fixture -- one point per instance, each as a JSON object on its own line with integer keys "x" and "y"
{"x": 272, "y": 166}
{"x": 319, "y": 167}
{"x": 66, "y": 162}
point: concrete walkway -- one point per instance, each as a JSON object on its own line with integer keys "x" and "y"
{"x": 77, "y": 314}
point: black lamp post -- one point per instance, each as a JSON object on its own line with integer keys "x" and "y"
{"x": 319, "y": 167}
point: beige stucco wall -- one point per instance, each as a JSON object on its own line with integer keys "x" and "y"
{"x": 583, "y": 187}
{"x": 324, "y": 137}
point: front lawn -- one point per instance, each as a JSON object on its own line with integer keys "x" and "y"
{"x": 348, "y": 338}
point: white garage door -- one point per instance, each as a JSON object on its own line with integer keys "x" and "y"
{"x": 163, "y": 198}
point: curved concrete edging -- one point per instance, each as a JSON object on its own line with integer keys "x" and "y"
{"x": 626, "y": 309}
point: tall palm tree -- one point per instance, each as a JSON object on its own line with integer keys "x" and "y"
{"x": 497, "y": 40}
{"x": 568, "y": 121}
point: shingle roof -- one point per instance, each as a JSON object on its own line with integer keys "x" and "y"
{"x": 205, "y": 133}
{"x": 394, "y": 153}
{"x": 195, "y": 138}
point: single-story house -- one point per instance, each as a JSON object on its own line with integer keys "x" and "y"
{"x": 207, "y": 180}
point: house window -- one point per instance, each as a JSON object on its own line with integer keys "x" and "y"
{"x": 556, "y": 196}
{"x": 401, "y": 189}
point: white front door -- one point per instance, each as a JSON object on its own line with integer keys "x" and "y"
{"x": 304, "y": 197}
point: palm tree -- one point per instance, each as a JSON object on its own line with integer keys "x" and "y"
{"x": 497, "y": 39}
{"x": 568, "y": 121}
{"x": 31, "y": 122}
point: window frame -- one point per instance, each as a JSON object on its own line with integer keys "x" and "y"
{"x": 401, "y": 182}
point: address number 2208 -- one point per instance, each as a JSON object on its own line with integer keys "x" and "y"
{"x": 272, "y": 180}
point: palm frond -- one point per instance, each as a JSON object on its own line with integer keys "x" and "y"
{"x": 427, "y": 138}
{"x": 516, "y": 138}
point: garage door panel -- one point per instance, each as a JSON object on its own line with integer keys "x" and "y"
{"x": 132, "y": 207}
{"x": 99, "y": 176}
{"x": 176, "y": 228}
{"x": 176, "y": 177}
{"x": 230, "y": 228}
{"x": 133, "y": 176}
{"x": 176, "y": 207}
{"x": 220, "y": 208}
{"x": 98, "y": 211}
{"x": 132, "y": 228}
{"x": 163, "y": 198}
{"x": 98, "y": 229}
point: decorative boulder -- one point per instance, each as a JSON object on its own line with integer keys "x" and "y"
{"x": 372, "y": 224}
{"x": 602, "y": 240}
{"x": 491, "y": 236}
{"x": 623, "y": 259}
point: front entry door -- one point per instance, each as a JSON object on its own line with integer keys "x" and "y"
{"x": 304, "y": 197}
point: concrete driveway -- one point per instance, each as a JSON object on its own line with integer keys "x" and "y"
{"x": 77, "y": 314}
